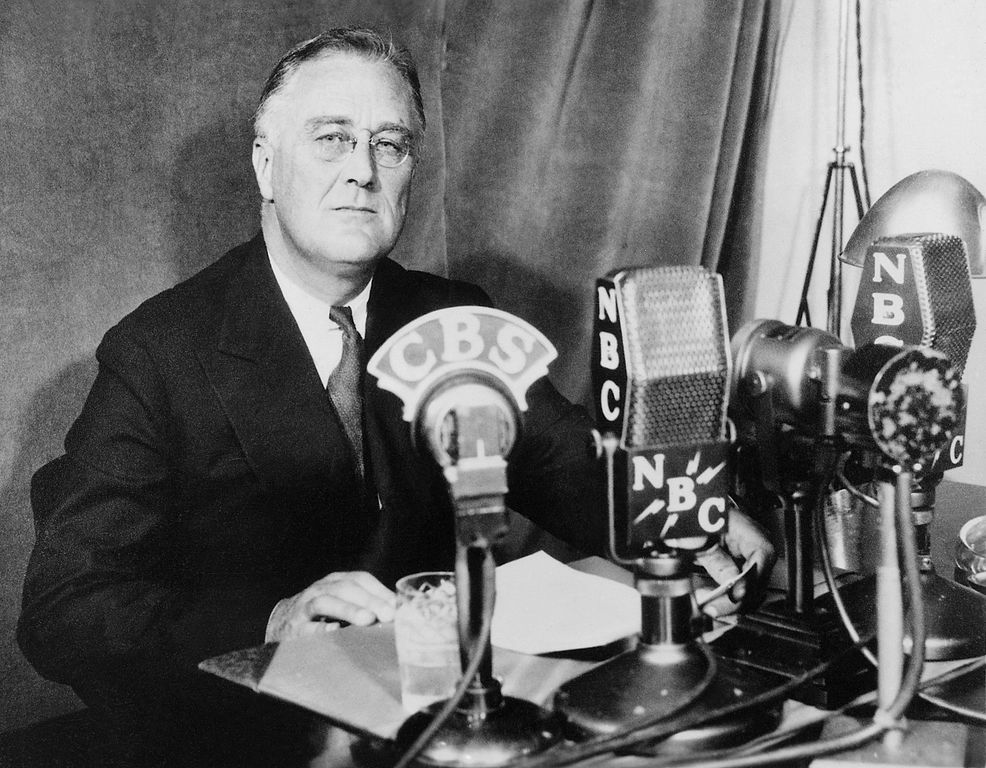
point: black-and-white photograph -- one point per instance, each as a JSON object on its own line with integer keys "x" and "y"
{"x": 492, "y": 383}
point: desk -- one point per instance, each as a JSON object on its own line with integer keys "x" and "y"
{"x": 373, "y": 671}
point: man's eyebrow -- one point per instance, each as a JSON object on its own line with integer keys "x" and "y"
{"x": 393, "y": 127}
{"x": 314, "y": 123}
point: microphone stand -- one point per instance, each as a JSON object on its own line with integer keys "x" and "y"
{"x": 485, "y": 728}
{"x": 954, "y": 614}
{"x": 836, "y": 170}
{"x": 794, "y": 634}
{"x": 669, "y": 669}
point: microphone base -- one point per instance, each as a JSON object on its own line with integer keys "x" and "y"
{"x": 954, "y": 615}
{"x": 655, "y": 681}
{"x": 778, "y": 641}
{"x": 475, "y": 739}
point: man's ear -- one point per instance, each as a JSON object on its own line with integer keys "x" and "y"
{"x": 263, "y": 166}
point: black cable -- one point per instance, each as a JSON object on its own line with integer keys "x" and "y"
{"x": 862, "y": 104}
{"x": 910, "y": 558}
{"x": 829, "y": 572}
{"x": 971, "y": 714}
{"x": 771, "y": 739}
{"x": 683, "y": 721}
{"x": 909, "y": 685}
{"x": 626, "y": 737}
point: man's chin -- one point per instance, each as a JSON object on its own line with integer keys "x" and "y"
{"x": 355, "y": 253}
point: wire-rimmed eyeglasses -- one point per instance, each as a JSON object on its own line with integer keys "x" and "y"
{"x": 388, "y": 148}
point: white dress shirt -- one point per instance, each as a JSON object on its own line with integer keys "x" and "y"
{"x": 323, "y": 337}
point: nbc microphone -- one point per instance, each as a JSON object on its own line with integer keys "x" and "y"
{"x": 916, "y": 289}
{"x": 660, "y": 370}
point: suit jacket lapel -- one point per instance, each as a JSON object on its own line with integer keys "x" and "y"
{"x": 263, "y": 374}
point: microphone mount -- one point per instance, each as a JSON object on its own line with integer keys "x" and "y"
{"x": 462, "y": 374}
{"x": 660, "y": 374}
{"x": 800, "y": 388}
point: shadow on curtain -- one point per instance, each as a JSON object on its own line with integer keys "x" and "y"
{"x": 585, "y": 136}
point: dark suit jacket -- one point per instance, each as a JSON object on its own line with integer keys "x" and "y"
{"x": 207, "y": 478}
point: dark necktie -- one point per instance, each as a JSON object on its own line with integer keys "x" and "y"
{"x": 345, "y": 385}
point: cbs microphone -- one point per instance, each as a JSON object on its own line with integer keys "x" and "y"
{"x": 462, "y": 374}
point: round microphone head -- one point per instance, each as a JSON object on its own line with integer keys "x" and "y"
{"x": 914, "y": 406}
{"x": 926, "y": 201}
{"x": 468, "y": 417}
{"x": 771, "y": 356}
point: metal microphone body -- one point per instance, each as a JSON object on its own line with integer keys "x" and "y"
{"x": 916, "y": 289}
{"x": 660, "y": 374}
{"x": 800, "y": 399}
{"x": 462, "y": 374}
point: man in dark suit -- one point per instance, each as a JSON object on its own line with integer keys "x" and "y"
{"x": 210, "y": 497}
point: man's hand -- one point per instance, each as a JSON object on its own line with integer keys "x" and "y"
{"x": 747, "y": 542}
{"x": 356, "y": 597}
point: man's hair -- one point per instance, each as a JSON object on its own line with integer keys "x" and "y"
{"x": 360, "y": 41}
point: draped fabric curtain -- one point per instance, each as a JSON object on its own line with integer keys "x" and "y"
{"x": 565, "y": 138}
{"x": 584, "y": 136}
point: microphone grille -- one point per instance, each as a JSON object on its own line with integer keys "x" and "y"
{"x": 677, "y": 355}
{"x": 942, "y": 264}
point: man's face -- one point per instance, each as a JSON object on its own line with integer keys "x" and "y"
{"x": 347, "y": 212}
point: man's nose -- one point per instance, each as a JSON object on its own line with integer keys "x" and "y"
{"x": 360, "y": 168}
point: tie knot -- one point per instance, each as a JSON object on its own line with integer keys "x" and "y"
{"x": 343, "y": 317}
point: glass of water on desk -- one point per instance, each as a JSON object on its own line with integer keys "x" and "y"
{"x": 970, "y": 554}
{"x": 426, "y": 632}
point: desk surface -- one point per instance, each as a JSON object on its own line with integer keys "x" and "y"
{"x": 302, "y": 671}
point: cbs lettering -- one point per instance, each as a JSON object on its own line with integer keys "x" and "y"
{"x": 412, "y": 358}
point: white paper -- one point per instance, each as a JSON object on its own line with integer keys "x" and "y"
{"x": 544, "y": 606}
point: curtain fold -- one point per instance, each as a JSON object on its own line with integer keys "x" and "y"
{"x": 585, "y": 136}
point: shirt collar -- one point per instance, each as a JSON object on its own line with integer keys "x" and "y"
{"x": 310, "y": 309}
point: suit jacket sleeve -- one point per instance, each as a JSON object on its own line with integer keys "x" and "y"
{"x": 553, "y": 476}
{"x": 104, "y": 596}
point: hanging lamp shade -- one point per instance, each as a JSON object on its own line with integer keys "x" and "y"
{"x": 926, "y": 201}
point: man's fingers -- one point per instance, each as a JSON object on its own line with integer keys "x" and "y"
{"x": 748, "y": 541}
{"x": 372, "y": 585}
{"x": 361, "y": 588}
{"x": 718, "y": 565}
{"x": 715, "y": 606}
{"x": 349, "y": 601}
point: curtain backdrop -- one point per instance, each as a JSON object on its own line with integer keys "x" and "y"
{"x": 584, "y": 136}
{"x": 566, "y": 137}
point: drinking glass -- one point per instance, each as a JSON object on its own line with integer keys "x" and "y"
{"x": 970, "y": 554}
{"x": 426, "y": 632}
